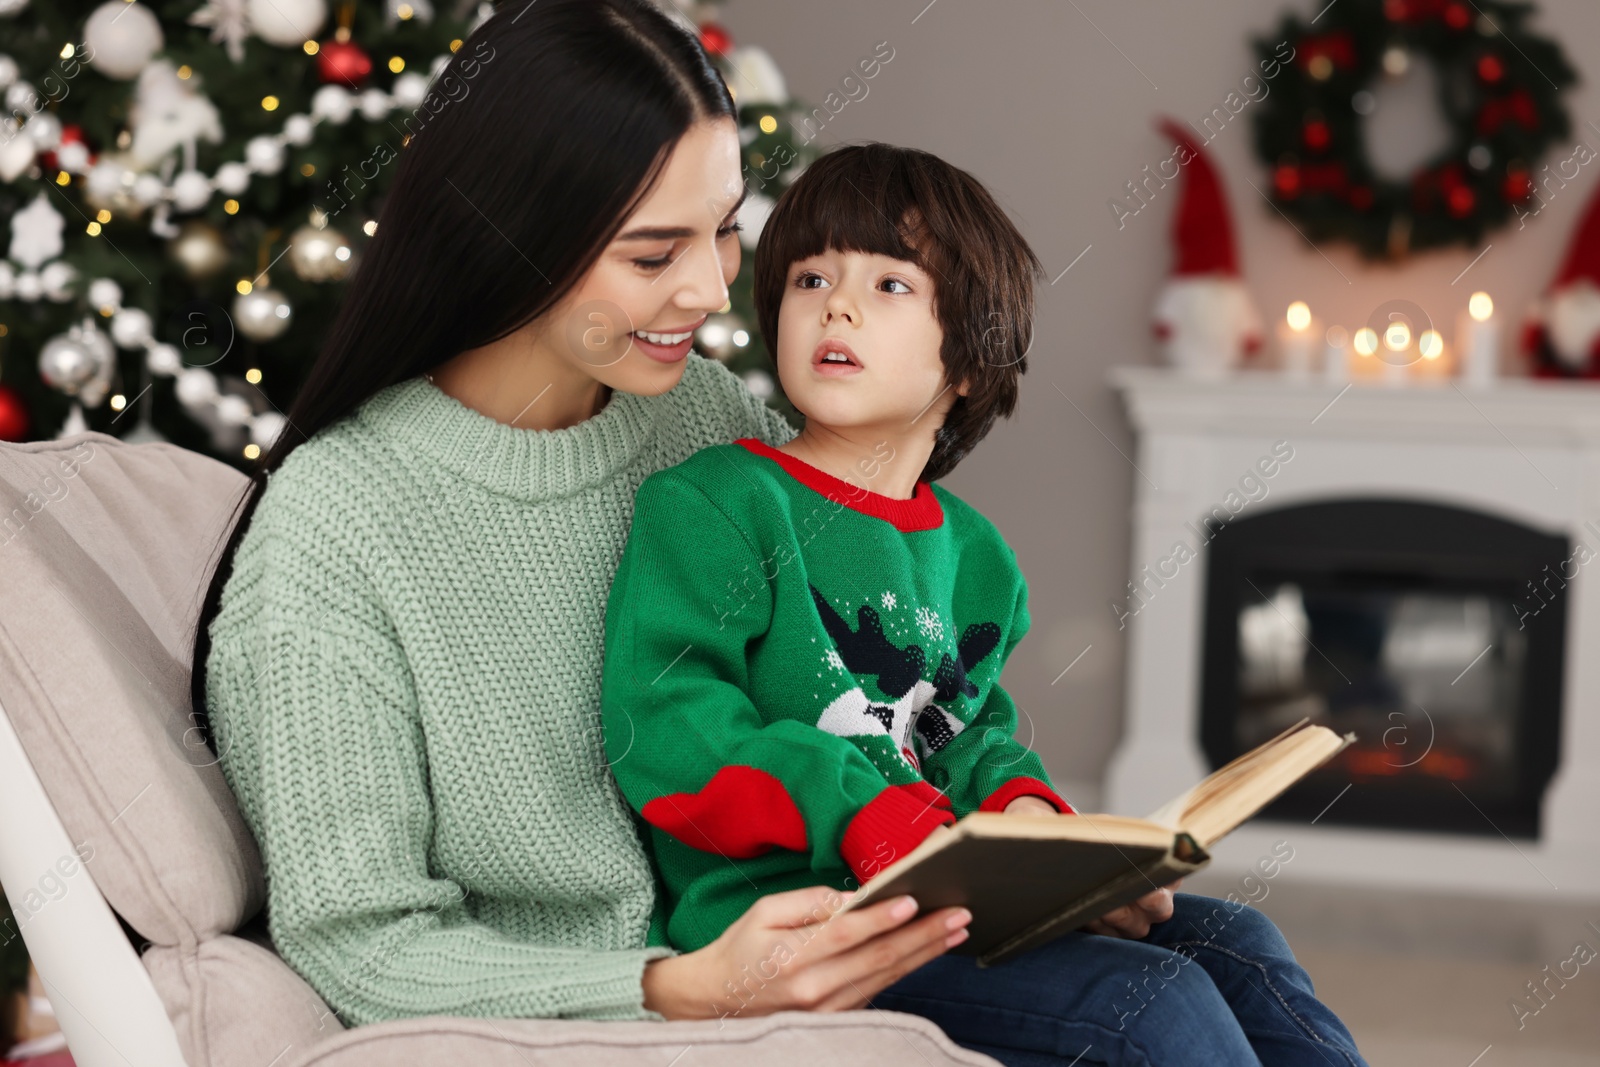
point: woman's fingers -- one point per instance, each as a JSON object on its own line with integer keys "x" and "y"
{"x": 860, "y": 972}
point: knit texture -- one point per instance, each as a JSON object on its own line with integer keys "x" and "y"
{"x": 802, "y": 677}
{"x": 405, "y": 683}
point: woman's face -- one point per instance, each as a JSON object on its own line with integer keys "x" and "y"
{"x": 665, "y": 271}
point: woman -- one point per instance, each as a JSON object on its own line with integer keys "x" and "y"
{"x": 400, "y": 651}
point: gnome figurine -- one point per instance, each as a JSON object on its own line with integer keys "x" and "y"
{"x": 1204, "y": 317}
{"x": 1561, "y": 336}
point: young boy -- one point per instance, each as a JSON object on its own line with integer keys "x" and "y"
{"x": 804, "y": 644}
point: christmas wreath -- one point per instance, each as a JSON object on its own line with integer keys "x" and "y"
{"x": 1499, "y": 89}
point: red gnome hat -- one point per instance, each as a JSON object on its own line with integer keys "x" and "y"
{"x": 1202, "y": 229}
{"x": 1562, "y": 338}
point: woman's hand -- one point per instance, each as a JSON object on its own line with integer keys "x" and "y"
{"x": 792, "y": 951}
{"x": 1134, "y": 920}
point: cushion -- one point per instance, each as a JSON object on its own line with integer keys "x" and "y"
{"x": 105, "y": 547}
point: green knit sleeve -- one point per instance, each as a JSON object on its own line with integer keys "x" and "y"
{"x": 985, "y": 767}
{"x": 321, "y": 741}
{"x": 690, "y": 751}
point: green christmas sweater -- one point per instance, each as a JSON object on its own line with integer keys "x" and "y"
{"x": 801, "y": 677}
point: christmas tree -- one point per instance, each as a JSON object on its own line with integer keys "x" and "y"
{"x": 186, "y": 185}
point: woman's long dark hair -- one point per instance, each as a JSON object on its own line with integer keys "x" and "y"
{"x": 550, "y": 124}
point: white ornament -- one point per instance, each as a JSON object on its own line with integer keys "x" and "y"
{"x": 36, "y": 233}
{"x": 756, "y": 79}
{"x": 56, "y": 280}
{"x": 21, "y": 99}
{"x": 45, "y": 131}
{"x": 104, "y": 180}
{"x": 8, "y": 8}
{"x": 410, "y": 89}
{"x": 374, "y": 104}
{"x": 73, "y": 157}
{"x": 753, "y": 216}
{"x": 759, "y": 382}
{"x": 266, "y": 427}
{"x": 148, "y": 189}
{"x": 333, "y": 104}
{"x": 196, "y": 386}
{"x": 234, "y": 410}
{"x": 169, "y": 112}
{"x": 131, "y": 328}
{"x": 16, "y": 152}
{"x": 163, "y": 359}
{"x": 297, "y": 129}
{"x": 66, "y": 363}
{"x": 75, "y": 423}
{"x": 232, "y": 179}
{"x": 121, "y": 38}
{"x": 8, "y": 72}
{"x": 229, "y": 23}
{"x": 190, "y": 191}
{"x": 105, "y": 293}
{"x": 264, "y": 154}
{"x": 27, "y": 287}
{"x": 286, "y": 23}
{"x": 8, "y": 280}
{"x": 262, "y": 313}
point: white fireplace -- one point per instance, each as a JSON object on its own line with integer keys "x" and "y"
{"x": 1525, "y": 451}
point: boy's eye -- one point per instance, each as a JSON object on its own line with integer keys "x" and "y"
{"x": 806, "y": 276}
{"x": 896, "y": 281}
{"x": 657, "y": 264}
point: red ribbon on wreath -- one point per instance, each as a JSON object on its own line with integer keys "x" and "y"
{"x": 1518, "y": 107}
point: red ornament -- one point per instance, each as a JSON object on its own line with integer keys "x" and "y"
{"x": 1286, "y": 179}
{"x": 1490, "y": 68}
{"x": 1317, "y": 135}
{"x": 343, "y": 63}
{"x": 1518, "y": 107}
{"x": 13, "y": 415}
{"x": 1462, "y": 200}
{"x": 1457, "y": 17}
{"x": 715, "y": 39}
{"x": 71, "y": 133}
{"x": 1518, "y": 186}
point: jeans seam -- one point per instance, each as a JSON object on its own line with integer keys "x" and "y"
{"x": 1267, "y": 978}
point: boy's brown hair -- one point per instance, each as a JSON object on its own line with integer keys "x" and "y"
{"x": 912, "y": 205}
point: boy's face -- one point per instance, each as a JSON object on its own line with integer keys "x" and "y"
{"x": 881, "y": 310}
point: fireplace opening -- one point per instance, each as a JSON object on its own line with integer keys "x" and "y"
{"x": 1436, "y": 634}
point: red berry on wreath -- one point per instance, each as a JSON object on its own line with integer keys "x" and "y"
{"x": 1317, "y": 135}
{"x": 1462, "y": 200}
{"x": 715, "y": 39}
{"x": 1518, "y": 186}
{"x": 1457, "y": 17}
{"x": 1286, "y": 179}
{"x": 343, "y": 63}
{"x": 1491, "y": 69}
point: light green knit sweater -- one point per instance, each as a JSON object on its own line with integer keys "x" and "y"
{"x": 405, "y": 684}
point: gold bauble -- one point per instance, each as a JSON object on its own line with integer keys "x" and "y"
{"x": 319, "y": 255}
{"x": 199, "y": 249}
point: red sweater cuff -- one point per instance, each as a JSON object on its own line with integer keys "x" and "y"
{"x": 892, "y": 824}
{"x": 1024, "y": 787}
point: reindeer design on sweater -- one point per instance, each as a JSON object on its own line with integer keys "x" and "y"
{"x": 916, "y": 710}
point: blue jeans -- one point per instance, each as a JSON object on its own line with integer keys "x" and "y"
{"x": 1213, "y": 986}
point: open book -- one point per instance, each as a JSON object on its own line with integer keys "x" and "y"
{"x": 1030, "y": 878}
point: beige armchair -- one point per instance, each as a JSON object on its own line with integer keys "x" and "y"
{"x": 137, "y": 886}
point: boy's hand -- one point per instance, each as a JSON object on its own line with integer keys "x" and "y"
{"x": 1026, "y": 805}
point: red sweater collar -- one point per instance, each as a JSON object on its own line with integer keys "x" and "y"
{"x": 921, "y": 512}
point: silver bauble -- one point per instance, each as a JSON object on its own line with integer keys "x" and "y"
{"x": 319, "y": 255}
{"x": 715, "y": 337}
{"x": 262, "y": 314}
{"x": 199, "y": 249}
{"x": 66, "y": 363}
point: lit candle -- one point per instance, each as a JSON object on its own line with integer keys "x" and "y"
{"x": 1297, "y": 340}
{"x": 1397, "y": 345}
{"x": 1336, "y": 357}
{"x": 1434, "y": 363}
{"x": 1478, "y": 342}
{"x": 1365, "y": 343}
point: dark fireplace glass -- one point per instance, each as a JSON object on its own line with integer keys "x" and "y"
{"x": 1412, "y": 626}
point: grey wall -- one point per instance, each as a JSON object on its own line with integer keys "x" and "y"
{"x": 1051, "y": 103}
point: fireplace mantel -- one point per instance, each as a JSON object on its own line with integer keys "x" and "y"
{"x": 1522, "y": 449}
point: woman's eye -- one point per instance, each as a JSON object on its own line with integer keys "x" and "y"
{"x": 728, "y": 231}
{"x": 657, "y": 264}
